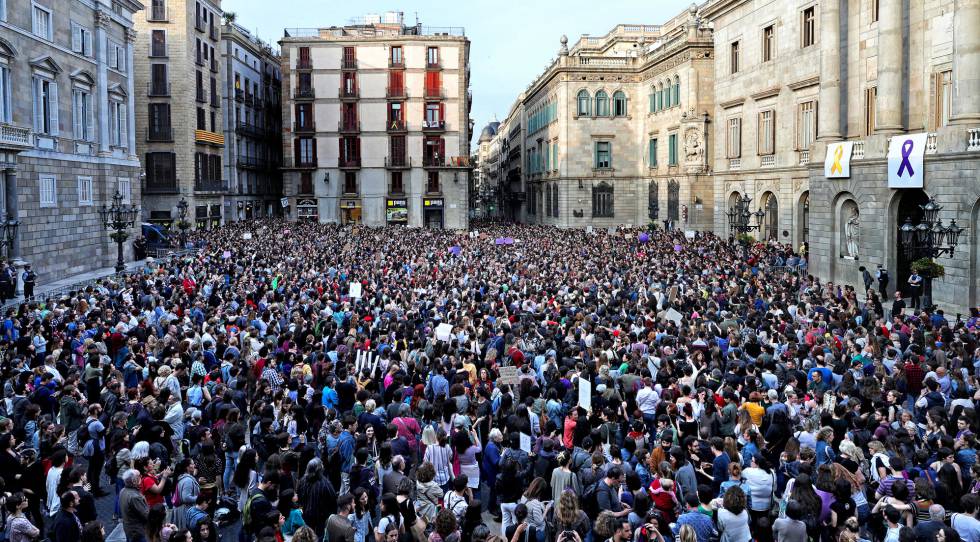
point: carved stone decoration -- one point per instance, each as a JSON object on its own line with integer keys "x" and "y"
{"x": 131, "y": 35}
{"x": 102, "y": 18}
{"x": 850, "y": 218}
{"x": 564, "y": 45}
{"x": 693, "y": 146}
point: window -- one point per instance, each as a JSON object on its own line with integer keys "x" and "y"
{"x": 350, "y": 61}
{"x": 809, "y": 26}
{"x": 82, "y": 115}
{"x": 159, "y": 117}
{"x": 619, "y": 104}
{"x": 602, "y": 200}
{"x": 653, "y": 200}
{"x": 304, "y": 116}
{"x": 158, "y": 80}
{"x": 875, "y": 8}
{"x": 673, "y": 199}
{"x": 350, "y": 182}
{"x": 667, "y": 95}
{"x": 84, "y": 190}
{"x": 42, "y": 23}
{"x": 158, "y": 43}
{"x": 304, "y": 58}
{"x": 734, "y": 139}
{"x": 6, "y": 105}
{"x": 350, "y": 83}
{"x": 944, "y": 98}
{"x": 45, "y": 94}
{"x": 433, "y": 114}
{"x": 767, "y": 131}
{"x": 396, "y": 57}
{"x": 81, "y": 39}
{"x": 870, "y": 103}
{"x": 554, "y": 201}
{"x": 768, "y": 43}
{"x": 125, "y": 190}
{"x": 660, "y": 97}
{"x": 432, "y": 183}
{"x": 202, "y": 119}
{"x": 397, "y": 186}
{"x": 3, "y": 10}
{"x": 554, "y": 156}
{"x": 734, "y": 57}
{"x": 432, "y": 56}
{"x": 117, "y": 123}
{"x": 603, "y": 155}
{"x": 677, "y": 91}
{"x": 652, "y": 152}
{"x": 116, "y": 54}
{"x": 601, "y": 104}
{"x": 806, "y": 125}
{"x": 672, "y": 150}
{"x": 547, "y": 200}
{"x": 306, "y": 150}
{"x": 48, "y": 191}
{"x": 653, "y": 100}
{"x": 161, "y": 170}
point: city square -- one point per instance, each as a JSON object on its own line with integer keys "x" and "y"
{"x": 304, "y": 271}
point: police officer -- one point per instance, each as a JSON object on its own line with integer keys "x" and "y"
{"x": 30, "y": 279}
{"x": 6, "y": 283}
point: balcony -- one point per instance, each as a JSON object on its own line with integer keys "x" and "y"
{"x": 157, "y": 14}
{"x": 200, "y": 95}
{"x": 349, "y": 93}
{"x": 199, "y": 59}
{"x": 215, "y": 101}
{"x": 210, "y": 138}
{"x": 433, "y": 126}
{"x": 350, "y": 190}
{"x": 396, "y": 126}
{"x": 734, "y": 164}
{"x": 396, "y": 64}
{"x": 160, "y": 186}
{"x": 349, "y": 163}
{"x": 249, "y": 130}
{"x": 239, "y": 95}
{"x": 304, "y": 64}
{"x": 165, "y": 133}
{"x": 249, "y": 100}
{"x": 349, "y": 127}
{"x": 768, "y": 160}
{"x": 304, "y": 94}
{"x": 396, "y": 93}
{"x": 157, "y": 89}
{"x": 433, "y": 188}
{"x": 804, "y": 157}
{"x": 214, "y": 65}
{"x": 306, "y": 162}
{"x": 433, "y": 65}
{"x": 435, "y": 93}
{"x": 158, "y": 50}
{"x": 452, "y": 162}
{"x": 398, "y": 162}
{"x": 252, "y": 162}
{"x": 14, "y": 136}
{"x": 305, "y": 127}
{"x": 348, "y": 63}
{"x": 215, "y": 185}
{"x": 214, "y": 33}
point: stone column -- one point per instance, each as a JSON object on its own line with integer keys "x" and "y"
{"x": 10, "y": 199}
{"x": 829, "y": 118}
{"x": 888, "y": 110}
{"x": 130, "y": 91}
{"x": 966, "y": 62}
{"x": 102, "y": 21}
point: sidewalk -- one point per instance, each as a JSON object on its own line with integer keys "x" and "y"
{"x": 73, "y": 282}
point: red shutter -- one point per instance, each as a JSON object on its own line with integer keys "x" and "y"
{"x": 442, "y": 149}
{"x": 357, "y": 148}
{"x": 442, "y": 112}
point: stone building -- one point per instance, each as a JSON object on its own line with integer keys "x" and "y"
{"x": 903, "y": 68}
{"x": 377, "y": 121}
{"x": 616, "y": 130}
{"x": 767, "y": 79}
{"x": 67, "y": 140}
{"x": 180, "y": 125}
{"x": 253, "y": 125}
{"x": 484, "y": 188}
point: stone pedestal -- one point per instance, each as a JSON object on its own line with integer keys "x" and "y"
{"x": 19, "y": 266}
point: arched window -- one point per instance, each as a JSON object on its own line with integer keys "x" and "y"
{"x": 673, "y": 200}
{"x": 602, "y": 200}
{"x": 619, "y": 104}
{"x": 601, "y": 104}
{"x": 660, "y": 97}
{"x": 554, "y": 202}
{"x": 584, "y": 103}
{"x": 653, "y": 100}
{"x": 667, "y": 95}
{"x": 677, "y": 90}
{"x": 771, "y": 221}
{"x": 653, "y": 200}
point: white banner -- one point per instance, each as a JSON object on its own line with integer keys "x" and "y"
{"x": 837, "y": 163}
{"x": 905, "y": 161}
{"x": 584, "y": 393}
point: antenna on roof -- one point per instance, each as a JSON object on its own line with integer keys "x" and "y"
{"x": 416, "y": 18}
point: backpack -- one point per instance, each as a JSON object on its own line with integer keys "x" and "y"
{"x": 247, "y": 519}
{"x": 590, "y": 498}
{"x": 82, "y": 434}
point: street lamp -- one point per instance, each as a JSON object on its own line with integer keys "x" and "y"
{"x": 8, "y": 233}
{"x": 929, "y": 239}
{"x": 740, "y": 218}
{"x": 182, "y": 222}
{"x": 118, "y": 219}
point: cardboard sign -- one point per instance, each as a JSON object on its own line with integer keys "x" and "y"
{"x": 673, "y": 316}
{"x": 247, "y": 236}
{"x": 508, "y": 375}
{"x": 906, "y": 155}
{"x": 584, "y": 393}
{"x": 526, "y": 442}
{"x": 673, "y": 294}
{"x": 444, "y": 332}
{"x": 355, "y": 290}
{"x": 837, "y": 163}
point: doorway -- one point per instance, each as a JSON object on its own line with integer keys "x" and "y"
{"x": 433, "y": 218}
{"x": 909, "y": 207}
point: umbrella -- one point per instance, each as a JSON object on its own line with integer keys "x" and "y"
{"x": 644, "y": 237}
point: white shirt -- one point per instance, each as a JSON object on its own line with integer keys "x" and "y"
{"x": 647, "y": 399}
{"x": 51, "y": 484}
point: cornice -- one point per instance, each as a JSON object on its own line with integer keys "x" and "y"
{"x": 804, "y": 83}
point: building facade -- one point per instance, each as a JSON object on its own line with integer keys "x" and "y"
{"x": 180, "y": 124}
{"x": 67, "y": 140}
{"x": 377, "y": 124}
{"x": 616, "y": 131}
{"x": 253, "y": 125}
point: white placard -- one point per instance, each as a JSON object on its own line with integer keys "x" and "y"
{"x": 284, "y": 202}
{"x": 247, "y": 236}
{"x": 508, "y": 375}
{"x": 444, "y": 332}
{"x": 837, "y": 162}
{"x": 584, "y": 393}
{"x": 526, "y": 442}
{"x": 689, "y": 234}
{"x": 355, "y": 289}
{"x": 673, "y": 316}
{"x": 905, "y": 161}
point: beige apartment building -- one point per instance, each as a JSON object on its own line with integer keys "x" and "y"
{"x": 376, "y": 123}
{"x": 67, "y": 142}
{"x": 179, "y": 124}
{"x": 616, "y": 130}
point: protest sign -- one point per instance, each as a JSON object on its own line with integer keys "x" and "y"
{"x": 444, "y": 332}
{"x": 584, "y": 393}
{"x": 508, "y": 375}
{"x": 355, "y": 289}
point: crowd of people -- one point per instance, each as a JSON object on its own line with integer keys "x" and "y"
{"x": 314, "y": 382}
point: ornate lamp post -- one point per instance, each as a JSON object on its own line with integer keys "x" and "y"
{"x": 929, "y": 239}
{"x": 740, "y": 218}
{"x": 8, "y": 233}
{"x": 182, "y": 222}
{"x": 118, "y": 219}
